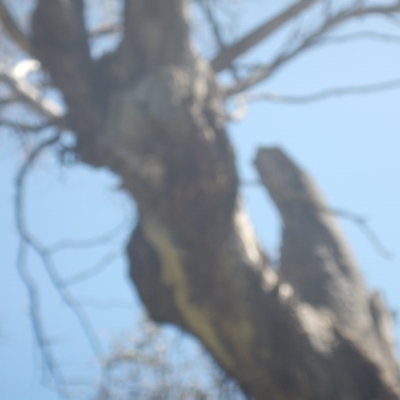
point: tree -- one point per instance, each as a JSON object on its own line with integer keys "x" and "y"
{"x": 152, "y": 111}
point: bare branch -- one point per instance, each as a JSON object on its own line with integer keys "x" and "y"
{"x": 311, "y": 40}
{"x": 367, "y": 35}
{"x": 20, "y": 126}
{"x": 68, "y": 60}
{"x": 96, "y": 269}
{"x": 42, "y": 340}
{"x": 82, "y": 244}
{"x": 13, "y": 29}
{"x": 28, "y": 241}
{"x": 67, "y": 298}
{"x": 32, "y": 96}
{"x": 106, "y": 304}
{"x": 228, "y": 54}
{"x": 209, "y": 14}
{"x": 360, "y": 221}
{"x": 323, "y": 94}
{"x": 34, "y": 304}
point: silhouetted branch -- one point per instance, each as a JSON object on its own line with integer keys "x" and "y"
{"x": 106, "y": 304}
{"x": 23, "y": 127}
{"x": 215, "y": 27}
{"x": 362, "y": 223}
{"x": 42, "y": 340}
{"x": 87, "y": 243}
{"x": 216, "y": 30}
{"x": 13, "y": 29}
{"x": 367, "y": 35}
{"x": 28, "y": 241}
{"x": 48, "y": 358}
{"x": 90, "y": 272}
{"x": 323, "y": 94}
{"x": 263, "y": 72}
{"x": 229, "y": 54}
{"x": 67, "y": 298}
{"x": 32, "y": 96}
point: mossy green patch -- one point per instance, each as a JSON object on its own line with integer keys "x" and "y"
{"x": 173, "y": 274}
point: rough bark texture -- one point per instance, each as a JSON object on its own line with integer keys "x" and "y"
{"x": 153, "y": 113}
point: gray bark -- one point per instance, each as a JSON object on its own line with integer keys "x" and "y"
{"x": 152, "y": 112}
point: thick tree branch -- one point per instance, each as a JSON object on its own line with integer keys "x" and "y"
{"x": 229, "y": 54}
{"x": 315, "y": 259}
{"x": 360, "y": 221}
{"x": 59, "y": 40}
{"x": 331, "y": 334}
{"x": 194, "y": 256}
{"x": 155, "y": 32}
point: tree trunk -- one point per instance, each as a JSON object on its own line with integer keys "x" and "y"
{"x": 152, "y": 111}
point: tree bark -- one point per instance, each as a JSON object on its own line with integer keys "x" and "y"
{"x": 153, "y": 112}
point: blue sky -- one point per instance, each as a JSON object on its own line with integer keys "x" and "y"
{"x": 350, "y": 145}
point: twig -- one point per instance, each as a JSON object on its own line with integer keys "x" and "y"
{"x": 90, "y": 272}
{"x": 227, "y": 55}
{"x": 358, "y": 220}
{"x": 311, "y": 40}
{"x": 107, "y": 304}
{"x": 67, "y": 298}
{"x": 13, "y": 29}
{"x": 27, "y": 240}
{"x": 205, "y": 6}
{"x": 33, "y": 293}
{"x": 368, "y": 35}
{"x": 25, "y": 127}
{"x": 323, "y": 94}
{"x": 48, "y": 359}
{"x": 86, "y": 243}
{"x": 208, "y": 12}
{"x": 362, "y": 223}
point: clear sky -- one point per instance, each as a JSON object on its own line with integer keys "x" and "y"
{"x": 350, "y": 145}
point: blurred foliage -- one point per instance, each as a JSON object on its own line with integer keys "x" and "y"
{"x": 158, "y": 364}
